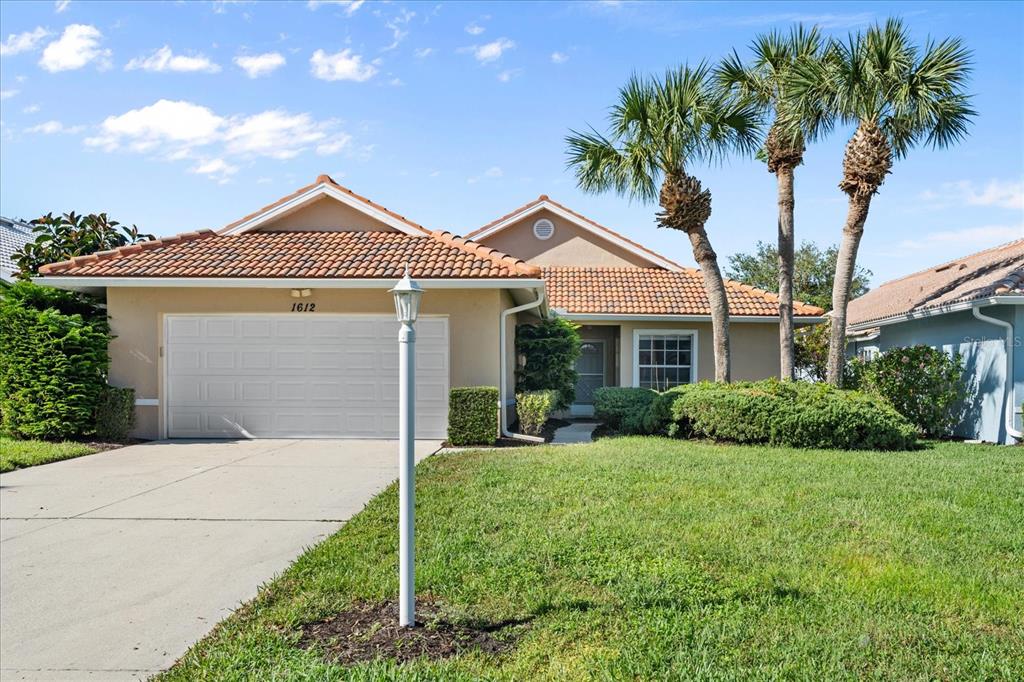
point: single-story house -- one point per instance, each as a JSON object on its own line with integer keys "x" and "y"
{"x": 973, "y": 306}
{"x": 281, "y": 324}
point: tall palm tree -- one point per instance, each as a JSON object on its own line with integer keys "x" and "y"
{"x": 657, "y": 129}
{"x": 898, "y": 96}
{"x": 765, "y": 81}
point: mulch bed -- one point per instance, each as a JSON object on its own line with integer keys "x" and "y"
{"x": 369, "y": 630}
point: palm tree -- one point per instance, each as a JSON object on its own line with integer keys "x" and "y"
{"x": 657, "y": 129}
{"x": 765, "y": 81}
{"x": 898, "y": 96}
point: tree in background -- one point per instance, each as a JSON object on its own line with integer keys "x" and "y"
{"x": 658, "y": 129}
{"x": 814, "y": 270}
{"x": 62, "y": 237}
{"x": 898, "y": 96}
{"x": 766, "y": 81}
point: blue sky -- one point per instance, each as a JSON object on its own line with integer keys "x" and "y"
{"x": 177, "y": 116}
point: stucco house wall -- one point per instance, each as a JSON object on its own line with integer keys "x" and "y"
{"x": 983, "y": 348}
{"x": 137, "y": 322}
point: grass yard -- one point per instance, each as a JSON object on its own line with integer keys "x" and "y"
{"x": 18, "y": 454}
{"x": 645, "y": 558}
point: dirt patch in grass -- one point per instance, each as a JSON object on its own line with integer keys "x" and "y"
{"x": 369, "y": 630}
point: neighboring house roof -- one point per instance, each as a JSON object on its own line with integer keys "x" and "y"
{"x": 998, "y": 271}
{"x": 14, "y": 234}
{"x": 652, "y": 291}
{"x": 324, "y": 185}
{"x": 545, "y": 202}
{"x": 337, "y": 255}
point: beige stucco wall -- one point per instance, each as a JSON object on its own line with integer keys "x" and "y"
{"x": 325, "y": 215}
{"x": 137, "y": 318}
{"x": 569, "y": 245}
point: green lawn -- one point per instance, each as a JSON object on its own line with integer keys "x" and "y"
{"x": 18, "y": 454}
{"x": 646, "y": 558}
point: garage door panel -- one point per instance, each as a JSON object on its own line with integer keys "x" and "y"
{"x": 286, "y": 377}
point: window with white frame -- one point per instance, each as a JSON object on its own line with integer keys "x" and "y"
{"x": 664, "y": 359}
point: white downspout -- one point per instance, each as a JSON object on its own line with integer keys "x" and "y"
{"x": 1008, "y": 391}
{"x": 502, "y": 414}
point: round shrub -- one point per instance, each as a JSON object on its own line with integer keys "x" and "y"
{"x": 924, "y": 384}
{"x": 533, "y": 408}
{"x": 623, "y": 408}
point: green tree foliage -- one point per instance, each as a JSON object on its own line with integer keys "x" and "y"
{"x": 62, "y": 237}
{"x": 551, "y": 348}
{"x": 53, "y": 362}
{"x": 813, "y": 272}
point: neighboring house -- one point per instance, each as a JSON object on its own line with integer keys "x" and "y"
{"x": 14, "y": 234}
{"x": 281, "y": 324}
{"x": 972, "y": 305}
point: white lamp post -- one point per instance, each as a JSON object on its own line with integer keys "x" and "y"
{"x": 407, "y": 295}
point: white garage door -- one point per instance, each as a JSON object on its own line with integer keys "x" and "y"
{"x": 299, "y": 376}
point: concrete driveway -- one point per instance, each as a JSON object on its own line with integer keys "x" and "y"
{"x": 112, "y": 565}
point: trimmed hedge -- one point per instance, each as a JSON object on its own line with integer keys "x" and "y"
{"x": 473, "y": 415}
{"x": 624, "y": 408}
{"x": 115, "y": 414}
{"x": 533, "y": 408}
{"x": 53, "y": 362}
{"x": 793, "y": 414}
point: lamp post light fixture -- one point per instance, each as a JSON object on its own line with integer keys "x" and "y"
{"x": 407, "y": 295}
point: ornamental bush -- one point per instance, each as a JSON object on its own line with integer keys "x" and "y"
{"x": 793, "y": 414}
{"x": 623, "y": 408}
{"x": 533, "y": 408}
{"x": 115, "y": 414}
{"x": 473, "y": 415}
{"x": 53, "y": 362}
{"x": 924, "y": 384}
{"x": 550, "y": 348}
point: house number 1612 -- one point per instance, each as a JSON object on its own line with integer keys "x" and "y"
{"x": 303, "y": 307}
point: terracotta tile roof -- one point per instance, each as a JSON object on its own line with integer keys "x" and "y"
{"x": 993, "y": 272}
{"x": 652, "y": 291}
{"x": 599, "y": 228}
{"x": 299, "y": 254}
{"x": 325, "y": 180}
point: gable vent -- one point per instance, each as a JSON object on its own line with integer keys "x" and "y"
{"x": 543, "y": 229}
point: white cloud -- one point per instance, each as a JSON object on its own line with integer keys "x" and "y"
{"x": 164, "y": 59}
{"x": 215, "y": 169}
{"x": 398, "y": 25}
{"x": 508, "y": 74}
{"x": 341, "y": 66}
{"x": 334, "y": 144}
{"x": 492, "y": 172}
{"x": 276, "y": 134}
{"x": 54, "y": 127}
{"x": 423, "y": 52}
{"x": 23, "y": 42}
{"x": 76, "y": 47}
{"x": 976, "y": 236}
{"x": 30, "y": 109}
{"x": 61, "y": 5}
{"x": 489, "y": 52}
{"x": 396, "y": 82}
{"x": 174, "y": 125}
{"x": 7, "y": 94}
{"x": 559, "y": 57}
{"x": 260, "y": 64}
{"x": 998, "y": 193}
{"x": 475, "y": 29}
{"x": 350, "y": 6}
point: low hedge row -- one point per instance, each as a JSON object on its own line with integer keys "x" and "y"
{"x": 473, "y": 415}
{"x": 794, "y": 414}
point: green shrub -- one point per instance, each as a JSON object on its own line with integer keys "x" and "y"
{"x": 794, "y": 414}
{"x": 473, "y": 415}
{"x": 551, "y": 348}
{"x": 115, "y": 414}
{"x": 924, "y": 384}
{"x": 533, "y": 408}
{"x": 53, "y": 362}
{"x": 623, "y": 408}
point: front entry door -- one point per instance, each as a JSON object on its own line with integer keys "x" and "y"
{"x": 590, "y": 371}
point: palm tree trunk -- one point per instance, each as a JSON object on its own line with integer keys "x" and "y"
{"x": 784, "y": 177}
{"x": 714, "y": 286}
{"x": 853, "y": 230}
